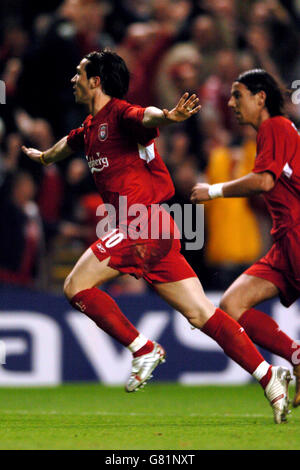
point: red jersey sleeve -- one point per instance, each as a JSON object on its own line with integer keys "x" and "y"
{"x": 131, "y": 122}
{"x": 75, "y": 139}
{"x": 271, "y": 148}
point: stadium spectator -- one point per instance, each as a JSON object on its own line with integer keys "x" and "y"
{"x": 143, "y": 47}
{"x": 237, "y": 242}
{"x": 11, "y": 75}
{"x": 21, "y": 230}
{"x": 216, "y": 88}
{"x": 79, "y": 205}
{"x": 124, "y": 13}
{"x": 73, "y": 29}
{"x": 275, "y": 22}
{"x": 180, "y": 65}
{"x": 260, "y": 43}
{"x": 2, "y": 164}
{"x": 206, "y": 37}
{"x": 225, "y": 13}
{"x": 180, "y": 71}
{"x": 184, "y": 173}
{"x": 15, "y": 42}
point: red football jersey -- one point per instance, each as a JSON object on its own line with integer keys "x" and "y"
{"x": 122, "y": 156}
{"x": 278, "y": 151}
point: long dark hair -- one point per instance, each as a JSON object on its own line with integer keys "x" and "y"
{"x": 257, "y": 80}
{"x": 111, "y": 69}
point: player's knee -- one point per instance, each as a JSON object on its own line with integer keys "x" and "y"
{"x": 198, "y": 317}
{"x": 70, "y": 287}
{"x": 199, "y": 312}
{"x": 231, "y": 305}
{"x": 194, "y": 319}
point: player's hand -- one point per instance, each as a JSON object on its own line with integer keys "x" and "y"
{"x": 33, "y": 154}
{"x": 185, "y": 108}
{"x": 200, "y": 193}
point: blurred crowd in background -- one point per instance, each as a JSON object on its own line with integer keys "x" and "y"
{"x": 48, "y": 214}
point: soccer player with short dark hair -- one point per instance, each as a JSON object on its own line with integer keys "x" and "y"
{"x": 118, "y": 140}
{"x": 257, "y": 100}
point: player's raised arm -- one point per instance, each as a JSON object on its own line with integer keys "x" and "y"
{"x": 59, "y": 151}
{"x": 253, "y": 183}
{"x": 185, "y": 108}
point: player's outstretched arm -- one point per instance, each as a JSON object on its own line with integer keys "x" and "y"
{"x": 186, "y": 107}
{"x": 59, "y": 151}
{"x": 253, "y": 183}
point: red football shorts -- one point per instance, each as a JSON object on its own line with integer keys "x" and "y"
{"x": 156, "y": 258}
{"x": 281, "y": 266}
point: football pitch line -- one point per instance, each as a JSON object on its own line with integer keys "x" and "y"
{"x": 112, "y": 413}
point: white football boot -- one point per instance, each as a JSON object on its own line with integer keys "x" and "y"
{"x": 277, "y": 393}
{"x": 143, "y": 366}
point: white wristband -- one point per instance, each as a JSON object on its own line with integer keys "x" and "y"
{"x": 215, "y": 190}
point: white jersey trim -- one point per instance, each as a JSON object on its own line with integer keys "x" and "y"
{"x": 287, "y": 170}
{"x": 147, "y": 153}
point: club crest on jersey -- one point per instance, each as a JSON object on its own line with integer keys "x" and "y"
{"x": 103, "y": 132}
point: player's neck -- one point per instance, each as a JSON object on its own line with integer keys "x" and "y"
{"x": 263, "y": 116}
{"x": 97, "y": 103}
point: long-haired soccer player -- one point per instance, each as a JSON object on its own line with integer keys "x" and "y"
{"x": 118, "y": 140}
{"x": 257, "y": 100}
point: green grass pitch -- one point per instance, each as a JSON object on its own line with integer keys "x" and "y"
{"x": 161, "y": 417}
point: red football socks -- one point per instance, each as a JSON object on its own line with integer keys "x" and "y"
{"x": 265, "y": 332}
{"x": 235, "y": 343}
{"x": 101, "y": 308}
